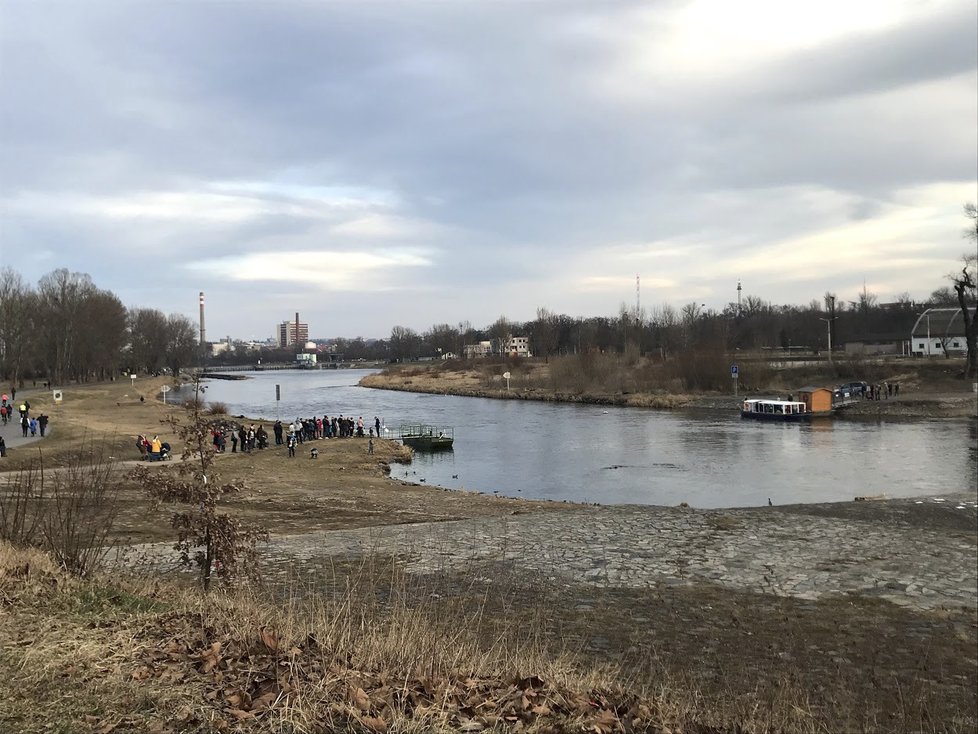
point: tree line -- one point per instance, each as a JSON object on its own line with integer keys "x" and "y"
{"x": 66, "y": 329}
{"x": 664, "y": 331}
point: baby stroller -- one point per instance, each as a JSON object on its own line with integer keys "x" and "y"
{"x": 163, "y": 455}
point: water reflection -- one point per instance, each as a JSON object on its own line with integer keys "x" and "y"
{"x": 619, "y": 455}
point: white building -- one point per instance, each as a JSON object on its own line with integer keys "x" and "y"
{"x": 482, "y": 349}
{"x": 517, "y": 346}
{"x": 938, "y": 331}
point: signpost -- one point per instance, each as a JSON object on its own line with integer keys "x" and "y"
{"x": 734, "y": 374}
{"x": 165, "y": 389}
{"x": 278, "y": 397}
{"x": 507, "y": 376}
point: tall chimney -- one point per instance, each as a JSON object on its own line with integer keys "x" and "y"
{"x": 297, "y": 328}
{"x": 203, "y": 339}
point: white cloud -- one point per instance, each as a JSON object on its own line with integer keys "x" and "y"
{"x": 326, "y": 270}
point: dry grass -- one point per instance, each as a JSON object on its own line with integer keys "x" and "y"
{"x": 361, "y": 646}
{"x": 382, "y": 652}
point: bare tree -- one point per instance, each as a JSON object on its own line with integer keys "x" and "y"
{"x": 943, "y": 296}
{"x": 148, "y": 339}
{"x": 546, "y": 333}
{"x": 181, "y": 344}
{"x": 404, "y": 343}
{"x": 500, "y": 333}
{"x": 16, "y": 324}
{"x": 966, "y": 286}
{"x": 61, "y": 296}
{"x": 443, "y": 339}
{"x": 100, "y": 336}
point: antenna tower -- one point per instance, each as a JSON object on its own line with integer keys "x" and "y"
{"x": 638, "y": 298}
{"x": 738, "y": 296}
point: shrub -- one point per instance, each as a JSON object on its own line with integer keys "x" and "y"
{"x": 20, "y": 503}
{"x": 81, "y": 511}
{"x": 217, "y": 408}
{"x": 68, "y": 513}
{"x": 214, "y": 542}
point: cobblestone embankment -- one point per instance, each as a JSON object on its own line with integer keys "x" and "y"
{"x": 921, "y": 554}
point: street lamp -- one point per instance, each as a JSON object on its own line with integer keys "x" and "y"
{"x": 828, "y": 324}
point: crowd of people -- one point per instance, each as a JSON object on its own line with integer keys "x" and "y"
{"x": 245, "y": 438}
{"x": 882, "y": 391}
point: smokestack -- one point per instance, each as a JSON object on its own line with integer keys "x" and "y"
{"x": 203, "y": 339}
{"x": 296, "y": 327}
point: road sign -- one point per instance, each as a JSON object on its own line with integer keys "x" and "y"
{"x": 734, "y": 371}
{"x": 278, "y": 392}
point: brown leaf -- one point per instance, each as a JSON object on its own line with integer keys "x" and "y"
{"x": 360, "y": 699}
{"x": 241, "y": 715}
{"x": 374, "y": 723}
{"x": 541, "y": 710}
{"x": 269, "y": 639}
{"x": 263, "y": 702}
{"x": 606, "y": 723}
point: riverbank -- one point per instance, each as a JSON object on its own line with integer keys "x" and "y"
{"x": 927, "y": 390}
{"x": 391, "y": 607}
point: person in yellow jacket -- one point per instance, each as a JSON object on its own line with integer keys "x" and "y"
{"x": 156, "y": 445}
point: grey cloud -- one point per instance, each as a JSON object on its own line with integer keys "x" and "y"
{"x": 479, "y": 119}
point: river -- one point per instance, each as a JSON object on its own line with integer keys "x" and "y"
{"x": 611, "y": 455}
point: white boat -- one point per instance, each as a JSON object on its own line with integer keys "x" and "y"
{"x": 774, "y": 410}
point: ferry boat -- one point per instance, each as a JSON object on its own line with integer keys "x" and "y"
{"x": 423, "y": 437}
{"x": 775, "y": 410}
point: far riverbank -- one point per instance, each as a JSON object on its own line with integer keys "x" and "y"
{"x": 923, "y": 394}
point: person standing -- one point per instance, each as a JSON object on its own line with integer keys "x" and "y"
{"x": 277, "y": 429}
{"x": 377, "y": 426}
{"x": 42, "y": 423}
{"x": 291, "y": 444}
{"x": 24, "y": 424}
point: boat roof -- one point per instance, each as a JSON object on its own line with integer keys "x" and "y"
{"x": 767, "y": 401}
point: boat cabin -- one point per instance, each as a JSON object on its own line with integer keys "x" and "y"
{"x": 772, "y": 408}
{"x": 816, "y": 399}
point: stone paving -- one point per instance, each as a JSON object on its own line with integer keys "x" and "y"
{"x": 763, "y": 550}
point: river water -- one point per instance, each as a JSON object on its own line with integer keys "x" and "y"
{"x": 613, "y": 455}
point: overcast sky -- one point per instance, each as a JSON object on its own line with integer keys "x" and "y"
{"x": 371, "y": 164}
